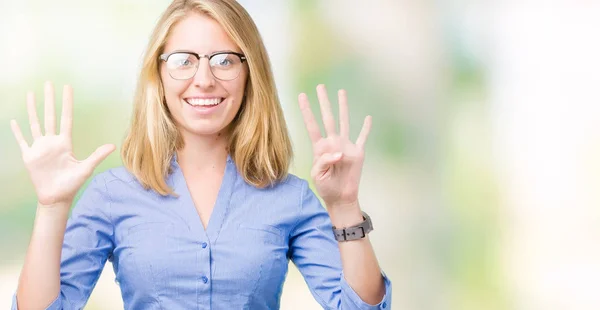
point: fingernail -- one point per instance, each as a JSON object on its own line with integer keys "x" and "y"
{"x": 337, "y": 155}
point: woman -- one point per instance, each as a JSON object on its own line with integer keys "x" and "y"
{"x": 203, "y": 215}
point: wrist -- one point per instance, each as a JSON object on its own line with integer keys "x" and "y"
{"x": 345, "y": 214}
{"x": 50, "y": 220}
{"x": 54, "y": 209}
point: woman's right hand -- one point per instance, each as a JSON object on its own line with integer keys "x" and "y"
{"x": 55, "y": 172}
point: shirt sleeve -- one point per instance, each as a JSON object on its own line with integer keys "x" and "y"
{"x": 315, "y": 253}
{"x": 87, "y": 244}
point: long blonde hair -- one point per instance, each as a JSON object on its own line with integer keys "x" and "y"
{"x": 258, "y": 143}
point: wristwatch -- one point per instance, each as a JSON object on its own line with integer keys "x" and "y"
{"x": 354, "y": 232}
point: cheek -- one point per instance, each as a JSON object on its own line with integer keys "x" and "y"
{"x": 172, "y": 88}
{"x": 239, "y": 85}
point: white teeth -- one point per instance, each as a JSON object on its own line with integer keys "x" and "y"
{"x": 204, "y": 102}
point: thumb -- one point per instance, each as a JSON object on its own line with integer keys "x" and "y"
{"x": 324, "y": 163}
{"x": 99, "y": 155}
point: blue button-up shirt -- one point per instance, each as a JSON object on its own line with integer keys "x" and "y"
{"x": 163, "y": 257}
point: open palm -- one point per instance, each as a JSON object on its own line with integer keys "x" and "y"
{"x": 337, "y": 161}
{"x": 55, "y": 172}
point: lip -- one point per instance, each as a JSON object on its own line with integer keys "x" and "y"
{"x": 203, "y": 110}
{"x": 203, "y": 97}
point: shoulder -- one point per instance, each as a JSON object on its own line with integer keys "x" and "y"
{"x": 293, "y": 182}
{"x": 297, "y": 191}
{"x": 98, "y": 195}
{"x": 288, "y": 192}
{"x": 291, "y": 185}
{"x": 117, "y": 175}
{"x": 117, "y": 180}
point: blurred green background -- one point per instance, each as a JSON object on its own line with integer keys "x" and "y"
{"x": 481, "y": 173}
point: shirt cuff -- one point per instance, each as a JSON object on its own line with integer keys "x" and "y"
{"x": 385, "y": 303}
{"x": 55, "y": 305}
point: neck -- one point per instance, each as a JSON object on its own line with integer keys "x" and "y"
{"x": 203, "y": 153}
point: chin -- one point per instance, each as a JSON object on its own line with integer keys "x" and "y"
{"x": 206, "y": 129}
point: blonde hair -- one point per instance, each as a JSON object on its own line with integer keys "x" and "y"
{"x": 258, "y": 142}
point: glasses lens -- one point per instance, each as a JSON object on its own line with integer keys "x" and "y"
{"x": 225, "y": 66}
{"x": 182, "y": 66}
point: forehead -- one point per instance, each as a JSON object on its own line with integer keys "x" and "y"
{"x": 199, "y": 33}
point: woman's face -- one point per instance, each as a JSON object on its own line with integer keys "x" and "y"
{"x": 203, "y": 104}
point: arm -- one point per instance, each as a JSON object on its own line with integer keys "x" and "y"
{"x": 55, "y": 279}
{"x": 337, "y": 167}
{"x": 56, "y": 176}
{"x": 39, "y": 283}
{"x": 360, "y": 265}
{"x": 318, "y": 257}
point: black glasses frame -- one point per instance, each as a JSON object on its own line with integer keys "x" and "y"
{"x": 165, "y": 57}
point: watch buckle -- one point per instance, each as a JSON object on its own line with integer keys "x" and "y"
{"x": 347, "y": 234}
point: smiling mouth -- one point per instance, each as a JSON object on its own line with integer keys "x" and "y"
{"x": 208, "y": 102}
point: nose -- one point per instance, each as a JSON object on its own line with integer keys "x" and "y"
{"x": 204, "y": 77}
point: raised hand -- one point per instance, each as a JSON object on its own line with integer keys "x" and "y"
{"x": 56, "y": 174}
{"x": 337, "y": 162}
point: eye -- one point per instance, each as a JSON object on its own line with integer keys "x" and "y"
{"x": 184, "y": 62}
{"x": 181, "y": 61}
{"x": 223, "y": 61}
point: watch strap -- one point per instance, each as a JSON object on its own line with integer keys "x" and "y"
{"x": 355, "y": 232}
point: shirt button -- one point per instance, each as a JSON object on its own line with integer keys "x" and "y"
{"x": 383, "y": 305}
{"x": 204, "y": 279}
{"x": 204, "y": 245}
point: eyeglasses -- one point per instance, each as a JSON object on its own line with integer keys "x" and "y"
{"x": 224, "y": 66}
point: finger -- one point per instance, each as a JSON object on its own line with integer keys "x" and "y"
{"x": 19, "y": 135}
{"x": 66, "y": 118}
{"x": 309, "y": 119}
{"x": 364, "y": 133}
{"x": 344, "y": 118}
{"x": 99, "y": 155}
{"x": 324, "y": 163}
{"x": 49, "y": 118}
{"x": 34, "y": 121}
{"x": 326, "y": 114}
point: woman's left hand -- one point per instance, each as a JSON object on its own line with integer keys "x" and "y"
{"x": 337, "y": 162}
